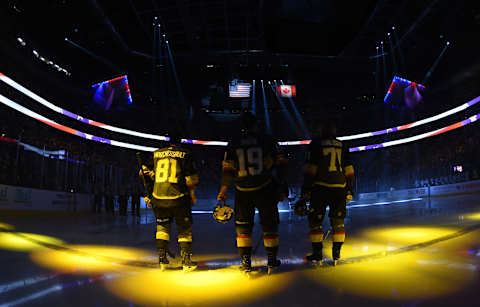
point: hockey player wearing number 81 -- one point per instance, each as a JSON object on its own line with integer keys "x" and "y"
{"x": 257, "y": 166}
{"x": 174, "y": 179}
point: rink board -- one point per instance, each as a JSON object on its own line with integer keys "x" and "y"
{"x": 434, "y": 191}
{"x": 20, "y": 198}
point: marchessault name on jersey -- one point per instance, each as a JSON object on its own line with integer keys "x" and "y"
{"x": 169, "y": 153}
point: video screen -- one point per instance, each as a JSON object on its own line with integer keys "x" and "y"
{"x": 404, "y": 93}
{"x": 112, "y": 93}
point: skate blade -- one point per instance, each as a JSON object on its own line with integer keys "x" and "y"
{"x": 316, "y": 263}
{"x": 163, "y": 267}
{"x": 337, "y": 262}
{"x": 271, "y": 270}
{"x": 187, "y": 269}
{"x": 247, "y": 273}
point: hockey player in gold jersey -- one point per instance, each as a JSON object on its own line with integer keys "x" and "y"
{"x": 257, "y": 167}
{"x": 175, "y": 178}
{"x": 328, "y": 181}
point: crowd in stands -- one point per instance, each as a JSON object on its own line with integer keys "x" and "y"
{"x": 444, "y": 159}
{"x": 110, "y": 169}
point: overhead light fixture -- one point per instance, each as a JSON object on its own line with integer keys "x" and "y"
{"x": 35, "y": 53}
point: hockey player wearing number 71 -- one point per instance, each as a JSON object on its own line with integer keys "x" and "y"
{"x": 328, "y": 181}
{"x": 175, "y": 178}
{"x": 257, "y": 167}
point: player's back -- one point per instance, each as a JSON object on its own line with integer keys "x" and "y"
{"x": 254, "y": 157}
{"x": 172, "y": 165}
{"x": 329, "y": 158}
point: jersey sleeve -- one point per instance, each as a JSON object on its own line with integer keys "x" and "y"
{"x": 310, "y": 168}
{"x": 229, "y": 167}
{"x": 191, "y": 172}
{"x": 280, "y": 161}
{"x": 149, "y": 171}
{"x": 348, "y": 169}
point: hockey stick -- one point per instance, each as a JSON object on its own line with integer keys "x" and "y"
{"x": 145, "y": 185}
{"x": 147, "y": 192}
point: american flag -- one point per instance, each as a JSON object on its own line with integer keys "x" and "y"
{"x": 240, "y": 90}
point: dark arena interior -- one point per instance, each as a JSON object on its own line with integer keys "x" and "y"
{"x": 234, "y": 104}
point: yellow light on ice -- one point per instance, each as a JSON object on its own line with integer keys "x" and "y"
{"x": 20, "y": 241}
{"x": 225, "y": 286}
{"x": 90, "y": 258}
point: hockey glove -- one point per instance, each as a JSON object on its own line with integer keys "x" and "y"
{"x": 148, "y": 201}
{"x": 222, "y": 195}
{"x": 193, "y": 197}
{"x": 349, "y": 196}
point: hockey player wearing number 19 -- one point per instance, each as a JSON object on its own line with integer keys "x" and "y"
{"x": 256, "y": 165}
{"x": 174, "y": 179}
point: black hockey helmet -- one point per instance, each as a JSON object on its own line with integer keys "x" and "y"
{"x": 175, "y": 132}
{"x": 328, "y": 129}
{"x": 222, "y": 214}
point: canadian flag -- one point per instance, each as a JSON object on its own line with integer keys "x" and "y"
{"x": 287, "y": 91}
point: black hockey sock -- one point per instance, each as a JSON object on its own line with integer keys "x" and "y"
{"x": 186, "y": 247}
{"x": 317, "y": 248}
{"x": 162, "y": 244}
{"x": 244, "y": 251}
{"x": 337, "y": 246}
{"x": 272, "y": 252}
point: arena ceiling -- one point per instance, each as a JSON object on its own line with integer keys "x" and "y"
{"x": 331, "y": 42}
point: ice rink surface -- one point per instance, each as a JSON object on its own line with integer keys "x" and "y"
{"x": 413, "y": 253}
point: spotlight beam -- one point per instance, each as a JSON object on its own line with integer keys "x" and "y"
{"x": 174, "y": 71}
{"x": 285, "y": 110}
{"x": 400, "y": 52}
{"x": 109, "y": 24}
{"x": 384, "y": 67}
{"x": 435, "y": 64}
{"x": 140, "y": 21}
{"x": 395, "y": 67}
{"x": 298, "y": 116}
{"x": 417, "y": 22}
{"x": 377, "y": 76}
{"x": 265, "y": 109}
{"x": 97, "y": 57}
